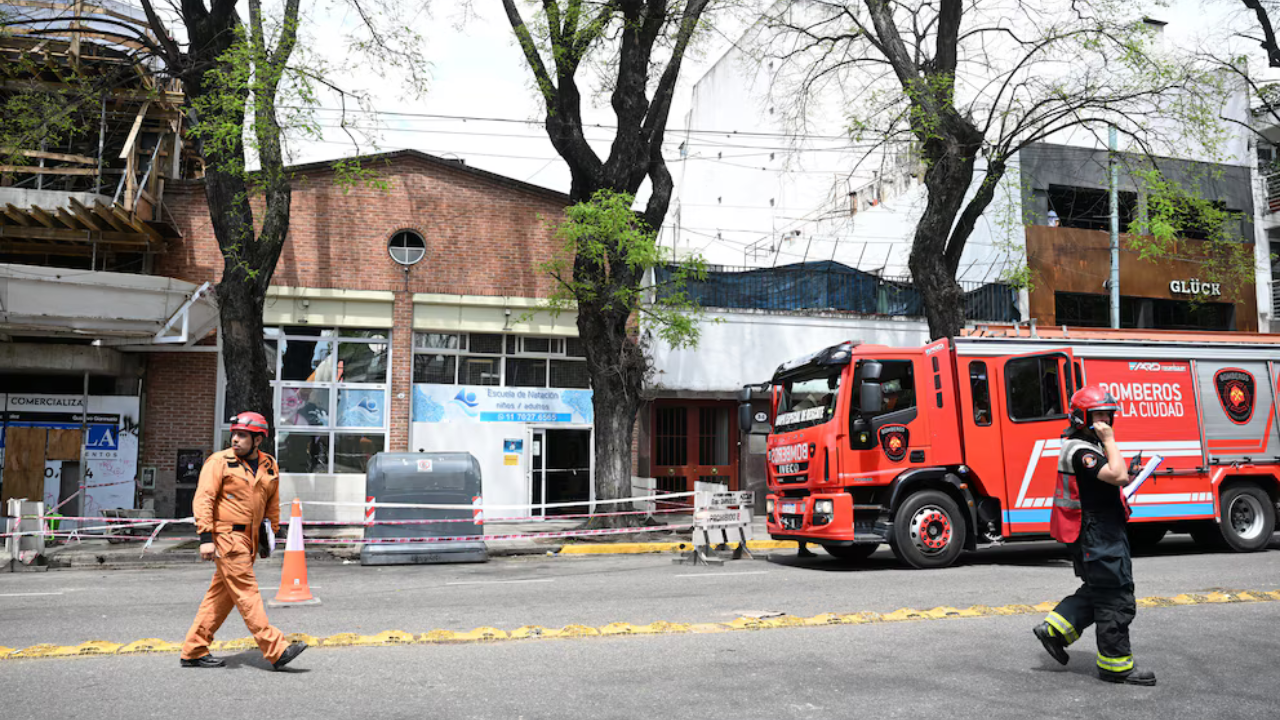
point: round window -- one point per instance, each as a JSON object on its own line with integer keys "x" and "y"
{"x": 407, "y": 247}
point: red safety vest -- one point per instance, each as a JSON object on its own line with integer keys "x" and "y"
{"x": 1064, "y": 519}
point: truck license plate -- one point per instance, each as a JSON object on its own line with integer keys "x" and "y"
{"x": 789, "y": 508}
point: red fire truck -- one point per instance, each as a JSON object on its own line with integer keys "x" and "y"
{"x": 954, "y": 445}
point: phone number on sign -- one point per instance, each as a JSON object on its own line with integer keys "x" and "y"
{"x": 523, "y": 417}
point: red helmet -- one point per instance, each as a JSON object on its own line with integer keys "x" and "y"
{"x": 1095, "y": 398}
{"x": 249, "y": 422}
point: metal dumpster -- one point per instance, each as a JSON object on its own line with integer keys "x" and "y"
{"x": 436, "y": 478}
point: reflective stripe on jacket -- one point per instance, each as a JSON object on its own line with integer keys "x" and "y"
{"x": 1064, "y": 519}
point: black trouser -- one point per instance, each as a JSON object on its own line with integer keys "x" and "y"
{"x": 1101, "y": 559}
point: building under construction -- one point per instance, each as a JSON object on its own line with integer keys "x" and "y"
{"x": 91, "y": 130}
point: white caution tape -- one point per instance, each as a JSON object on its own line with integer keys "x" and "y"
{"x": 487, "y": 506}
{"x": 491, "y": 538}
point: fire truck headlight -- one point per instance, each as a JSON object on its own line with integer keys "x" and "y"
{"x": 768, "y": 506}
{"x": 824, "y": 507}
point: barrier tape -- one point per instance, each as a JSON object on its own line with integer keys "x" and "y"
{"x": 491, "y": 538}
{"x": 369, "y": 523}
{"x": 392, "y": 638}
{"x": 488, "y": 506}
{"x": 440, "y": 539}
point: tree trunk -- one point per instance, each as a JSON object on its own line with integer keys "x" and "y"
{"x": 942, "y": 296}
{"x": 616, "y": 365}
{"x": 240, "y": 305}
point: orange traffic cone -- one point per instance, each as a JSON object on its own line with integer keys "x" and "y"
{"x": 294, "y": 589}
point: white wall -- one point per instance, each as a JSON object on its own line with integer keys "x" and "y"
{"x": 747, "y": 347}
{"x": 735, "y": 189}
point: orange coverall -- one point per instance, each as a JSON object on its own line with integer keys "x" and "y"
{"x": 229, "y": 495}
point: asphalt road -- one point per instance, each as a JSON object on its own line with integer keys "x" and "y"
{"x": 1212, "y": 660}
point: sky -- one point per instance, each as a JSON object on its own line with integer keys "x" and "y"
{"x": 477, "y": 71}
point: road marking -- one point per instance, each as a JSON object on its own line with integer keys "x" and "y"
{"x": 719, "y": 574}
{"x": 500, "y": 582}
{"x": 28, "y": 594}
{"x": 533, "y": 632}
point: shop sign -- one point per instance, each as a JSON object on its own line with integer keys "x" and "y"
{"x": 1195, "y": 287}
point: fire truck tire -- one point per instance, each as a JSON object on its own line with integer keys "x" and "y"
{"x": 928, "y": 530}
{"x": 1247, "y": 520}
{"x": 861, "y": 551}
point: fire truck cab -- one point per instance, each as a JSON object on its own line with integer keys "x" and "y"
{"x": 954, "y": 445}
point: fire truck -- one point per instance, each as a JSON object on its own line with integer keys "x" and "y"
{"x": 954, "y": 445}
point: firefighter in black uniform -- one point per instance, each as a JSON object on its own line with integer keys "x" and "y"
{"x": 1090, "y": 514}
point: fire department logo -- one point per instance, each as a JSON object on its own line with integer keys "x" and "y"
{"x": 1090, "y": 461}
{"x": 1236, "y": 393}
{"x": 894, "y": 439}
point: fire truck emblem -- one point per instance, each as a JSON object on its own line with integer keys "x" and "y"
{"x": 1236, "y": 393}
{"x": 894, "y": 441}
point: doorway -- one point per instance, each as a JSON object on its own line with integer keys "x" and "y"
{"x": 560, "y": 470}
{"x": 694, "y": 440}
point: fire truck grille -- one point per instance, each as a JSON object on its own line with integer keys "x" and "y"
{"x": 791, "y": 522}
{"x": 791, "y": 479}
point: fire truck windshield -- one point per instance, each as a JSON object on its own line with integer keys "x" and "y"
{"x": 808, "y": 400}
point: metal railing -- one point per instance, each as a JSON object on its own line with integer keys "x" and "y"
{"x": 1273, "y": 192}
{"x": 827, "y": 286}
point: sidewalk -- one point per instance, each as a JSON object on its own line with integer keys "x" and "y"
{"x": 175, "y": 547}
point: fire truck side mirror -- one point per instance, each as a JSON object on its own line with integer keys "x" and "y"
{"x": 870, "y": 398}
{"x": 744, "y": 417}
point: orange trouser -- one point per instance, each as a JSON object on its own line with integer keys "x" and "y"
{"x": 233, "y": 585}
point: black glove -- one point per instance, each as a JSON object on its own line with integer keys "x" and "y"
{"x": 264, "y": 543}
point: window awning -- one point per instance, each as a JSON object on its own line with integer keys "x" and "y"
{"x": 118, "y": 309}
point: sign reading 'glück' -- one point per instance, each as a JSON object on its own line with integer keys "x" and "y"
{"x": 1194, "y": 287}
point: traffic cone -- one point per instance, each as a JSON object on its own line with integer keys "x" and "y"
{"x": 294, "y": 589}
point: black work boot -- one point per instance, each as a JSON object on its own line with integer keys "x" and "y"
{"x": 1130, "y": 677}
{"x": 204, "y": 661}
{"x": 294, "y": 650}
{"x": 805, "y": 552}
{"x": 1052, "y": 643}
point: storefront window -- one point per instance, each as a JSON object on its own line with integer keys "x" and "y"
{"x": 327, "y": 382}
{"x": 491, "y": 360}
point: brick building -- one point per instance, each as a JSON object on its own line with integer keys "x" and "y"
{"x": 399, "y": 318}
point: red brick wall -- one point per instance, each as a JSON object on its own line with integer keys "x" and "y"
{"x": 181, "y": 390}
{"x": 401, "y": 373}
{"x": 483, "y": 238}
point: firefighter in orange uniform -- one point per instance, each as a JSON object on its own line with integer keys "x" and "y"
{"x": 238, "y": 488}
{"x": 1089, "y": 514}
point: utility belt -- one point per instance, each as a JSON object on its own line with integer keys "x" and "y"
{"x": 230, "y": 527}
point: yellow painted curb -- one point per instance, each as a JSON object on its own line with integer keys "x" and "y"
{"x": 662, "y": 547}
{"x": 536, "y": 632}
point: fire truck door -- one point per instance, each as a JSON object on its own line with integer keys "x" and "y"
{"x": 1238, "y": 410}
{"x": 1034, "y": 390}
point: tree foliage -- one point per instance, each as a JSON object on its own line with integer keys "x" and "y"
{"x": 970, "y": 84}
{"x": 635, "y": 48}
{"x": 593, "y": 230}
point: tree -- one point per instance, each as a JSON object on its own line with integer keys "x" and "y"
{"x": 969, "y": 84}
{"x": 625, "y": 37}
{"x": 235, "y": 74}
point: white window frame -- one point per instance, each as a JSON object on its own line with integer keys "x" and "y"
{"x": 333, "y": 387}
{"x": 558, "y": 347}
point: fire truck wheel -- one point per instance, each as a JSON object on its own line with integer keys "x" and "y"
{"x": 928, "y": 530}
{"x": 861, "y": 551}
{"x": 1247, "y": 519}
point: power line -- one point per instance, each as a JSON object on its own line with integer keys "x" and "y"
{"x": 604, "y": 126}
